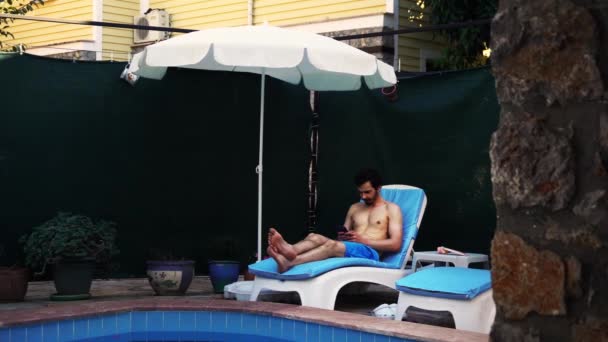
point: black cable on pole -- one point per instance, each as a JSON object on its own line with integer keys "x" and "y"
{"x": 181, "y": 30}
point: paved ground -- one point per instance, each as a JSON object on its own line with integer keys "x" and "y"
{"x": 350, "y": 299}
{"x": 353, "y": 308}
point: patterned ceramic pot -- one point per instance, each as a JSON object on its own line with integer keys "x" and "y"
{"x": 170, "y": 277}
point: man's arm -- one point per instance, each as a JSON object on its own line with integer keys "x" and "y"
{"x": 395, "y": 233}
{"x": 348, "y": 221}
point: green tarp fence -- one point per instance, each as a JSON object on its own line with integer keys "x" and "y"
{"x": 173, "y": 161}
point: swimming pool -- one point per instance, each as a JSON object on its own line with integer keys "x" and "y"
{"x": 143, "y": 326}
{"x": 195, "y": 319}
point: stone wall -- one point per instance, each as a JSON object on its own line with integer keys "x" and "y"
{"x": 549, "y": 160}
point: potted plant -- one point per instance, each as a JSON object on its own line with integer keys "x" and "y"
{"x": 167, "y": 274}
{"x": 223, "y": 268}
{"x": 13, "y": 286}
{"x": 73, "y": 245}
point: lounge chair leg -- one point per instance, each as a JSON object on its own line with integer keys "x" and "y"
{"x": 401, "y": 307}
{"x": 318, "y": 298}
{"x": 255, "y": 292}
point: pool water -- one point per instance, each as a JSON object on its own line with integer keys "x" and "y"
{"x": 182, "y": 337}
{"x": 185, "y": 326}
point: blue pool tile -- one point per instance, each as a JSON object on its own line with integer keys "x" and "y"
{"x": 155, "y": 321}
{"x": 234, "y": 321}
{"x": 218, "y": 321}
{"x": 325, "y": 333}
{"x": 66, "y": 330}
{"x": 18, "y": 334}
{"x": 263, "y": 324}
{"x": 299, "y": 331}
{"x": 50, "y": 332}
{"x": 203, "y": 320}
{"x": 95, "y": 327}
{"x": 123, "y": 323}
{"x": 249, "y": 325}
{"x": 34, "y": 333}
{"x": 5, "y": 334}
{"x": 381, "y": 338}
{"x": 312, "y": 332}
{"x": 81, "y": 328}
{"x": 171, "y": 320}
{"x": 276, "y": 325}
{"x": 287, "y": 329}
{"x": 339, "y": 335}
{"x": 353, "y": 336}
{"x": 367, "y": 337}
{"x": 139, "y": 321}
{"x": 108, "y": 324}
{"x": 187, "y": 320}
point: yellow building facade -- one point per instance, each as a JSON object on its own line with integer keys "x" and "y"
{"x": 407, "y": 52}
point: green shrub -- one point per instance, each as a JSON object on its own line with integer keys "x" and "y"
{"x": 69, "y": 236}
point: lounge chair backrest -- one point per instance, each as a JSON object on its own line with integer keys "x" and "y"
{"x": 412, "y": 201}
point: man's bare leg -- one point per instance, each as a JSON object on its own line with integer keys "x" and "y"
{"x": 279, "y": 245}
{"x": 310, "y": 242}
{"x": 329, "y": 249}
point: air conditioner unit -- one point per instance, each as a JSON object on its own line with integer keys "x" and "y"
{"x": 153, "y": 18}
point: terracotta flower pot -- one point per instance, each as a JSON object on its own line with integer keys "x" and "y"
{"x": 13, "y": 283}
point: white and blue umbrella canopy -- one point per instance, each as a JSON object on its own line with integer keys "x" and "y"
{"x": 320, "y": 63}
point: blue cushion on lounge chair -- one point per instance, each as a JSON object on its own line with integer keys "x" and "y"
{"x": 447, "y": 282}
{"x": 268, "y": 268}
{"x": 410, "y": 201}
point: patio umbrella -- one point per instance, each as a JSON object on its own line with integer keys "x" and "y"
{"x": 319, "y": 62}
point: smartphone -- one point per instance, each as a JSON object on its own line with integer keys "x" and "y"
{"x": 341, "y": 229}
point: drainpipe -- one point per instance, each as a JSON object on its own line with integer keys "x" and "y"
{"x": 144, "y": 5}
{"x": 396, "y": 37}
{"x": 250, "y": 12}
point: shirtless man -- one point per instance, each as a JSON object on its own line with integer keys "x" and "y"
{"x": 372, "y": 227}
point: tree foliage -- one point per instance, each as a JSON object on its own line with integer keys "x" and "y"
{"x": 18, "y": 7}
{"x": 465, "y": 45}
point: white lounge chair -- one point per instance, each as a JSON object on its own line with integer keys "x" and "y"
{"x": 318, "y": 282}
{"x": 465, "y": 292}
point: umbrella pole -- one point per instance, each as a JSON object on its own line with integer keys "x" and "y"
{"x": 260, "y": 167}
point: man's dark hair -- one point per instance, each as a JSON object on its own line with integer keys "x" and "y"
{"x": 371, "y": 175}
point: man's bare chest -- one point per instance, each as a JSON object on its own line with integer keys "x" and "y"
{"x": 371, "y": 217}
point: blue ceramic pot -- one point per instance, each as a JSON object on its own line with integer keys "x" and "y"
{"x": 222, "y": 273}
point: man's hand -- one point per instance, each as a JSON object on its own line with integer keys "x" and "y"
{"x": 353, "y": 237}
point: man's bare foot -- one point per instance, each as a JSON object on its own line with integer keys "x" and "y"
{"x": 281, "y": 246}
{"x": 282, "y": 262}
{"x": 271, "y": 232}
